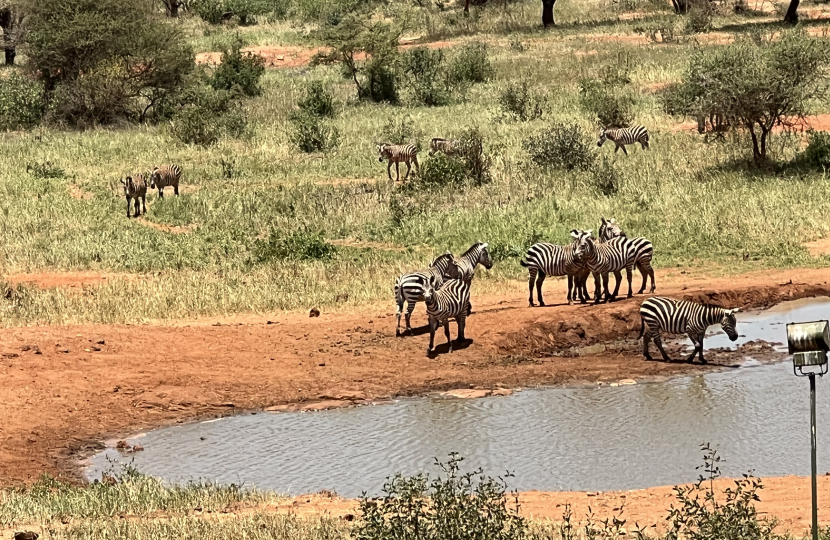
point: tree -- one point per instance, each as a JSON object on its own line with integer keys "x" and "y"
{"x": 104, "y": 59}
{"x": 12, "y": 18}
{"x": 547, "y": 13}
{"x": 792, "y": 12}
{"x": 755, "y": 84}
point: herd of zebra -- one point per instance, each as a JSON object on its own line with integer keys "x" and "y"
{"x": 395, "y": 154}
{"x": 445, "y": 286}
{"x": 135, "y": 186}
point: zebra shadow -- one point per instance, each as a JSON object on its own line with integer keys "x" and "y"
{"x": 416, "y": 331}
{"x": 456, "y": 346}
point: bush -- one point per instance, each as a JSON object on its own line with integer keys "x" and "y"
{"x": 423, "y": 70}
{"x": 217, "y": 11}
{"x": 457, "y": 506}
{"x": 206, "y": 115}
{"x": 441, "y": 170}
{"x": 21, "y": 102}
{"x": 210, "y": 11}
{"x": 817, "y": 153}
{"x": 45, "y": 170}
{"x": 105, "y": 59}
{"x": 310, "y": 133}
{"x": 518, "y": 101}
{"x": 700, "y": 15}
{"x": 296, "y": 245}
{"x": 476, "y": 162}
{"x": 605, "y": 178}
{"x": 471, "y": 64}
{"x": 317, "y": 100}
{"x": 562, "y": 146}
{"x": 400, "y": 130}
{"x": 239, "y": 72}
{"x": 611, "y": 107}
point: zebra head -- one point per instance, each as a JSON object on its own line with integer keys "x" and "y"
{"x": 728, "y": 323}
{"x": 126, "y": 183}
{"x": 609, "y": 229}
{"x": 584, "y": 244}
{"x": 602, "y": 137}
{"x": 484, "y": 256}
{"x": 433, "y": 147}
{"x": 382, "y": 152}
{"x": 153, "y": 177}
{"x": 429, "y": 293}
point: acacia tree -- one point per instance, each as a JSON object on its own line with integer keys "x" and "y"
{"x": 756, "y": 84}
{"x": 12, "y": 16}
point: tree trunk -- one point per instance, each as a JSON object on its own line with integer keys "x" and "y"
{"x": 547, "y": 13}
{"x": 466, "y": 6}
{"x": 756, "y": 151}
{"x": 792, "y": 12}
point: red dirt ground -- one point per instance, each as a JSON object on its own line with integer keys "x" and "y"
{"x": 48, "y": 280}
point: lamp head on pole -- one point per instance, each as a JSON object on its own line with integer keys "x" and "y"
{"x": 809, "y": 343}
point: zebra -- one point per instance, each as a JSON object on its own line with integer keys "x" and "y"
{"x": 167, "y": 175}
{"x": 660, "y": 314}
{"x": 448, "y": 302}
{"x": 644, "y": 251}
{"x": 135, "y": 188}
{"x": 477, "y": 254}
{"x": 622, "y": 137}
{"x": 602, "y": 258}
{"x": 410, "y": 287}
{"x": 397, "y": 153}
{"x": 443, "y": 145}
{"x": 543, "y": 259}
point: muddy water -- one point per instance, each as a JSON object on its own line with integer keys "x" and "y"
{"x": 588, "y": 438}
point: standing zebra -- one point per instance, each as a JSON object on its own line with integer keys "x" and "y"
{"x": 643, "y": 250}
{"x": 448, "y": 302}
{"x": 167, "y": 175}
{"x": 660, "y": 314}
{"x": 477, "y": 254}
{"x": 135, "y": 188}
{"x": 442, "y": 145}
{"x": 410, "y": 287}
{"x": 543, "y": 259}
{"x": 397, "y": 153}
{"x": 622, "y": 137}
{"x": 602, "y": 258}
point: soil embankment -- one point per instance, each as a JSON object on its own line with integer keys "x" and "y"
{"x": 69, "y": 387}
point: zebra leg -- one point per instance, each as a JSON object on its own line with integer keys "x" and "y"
{"x": 618, "y": 278}
{"x": 539, "y": 280}
{"x": 397, "y": 172}
{"x": 433, "y": 324}
{"x": 410, "y": 307}
{"x": 144, "y": 204}
{"x": 176, "y": 189}
{"x": 408, "y": 168}
{"x": 447, "y": 333}
{"x": 137, "y": 203}
{"x": 606, "y": 279}
{"x": 651, "y": 273}
{"x": 629, "y": 273}
{"x": 646, "y": 340}
{"x": 584, "y": 296}
{"x": 389, "y": 170}
{"x": 697, "y": 341}
{"x": 571, "y": 290}
{"x": 530, "y": 281}
{"x": 417, "y": 165}
{"x": 462, "y": 325}
{"x": 624, "y": 150}
{"x": 597, "y": 287}
{"x": 128, "y": 206}
{"x": 659, "y": 343}
{"x": 644, "y": 273}
{"x": 399, "y": 304}
{"x": 161, "y": 192}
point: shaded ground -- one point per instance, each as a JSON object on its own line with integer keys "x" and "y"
{"x": 68, "y": 387}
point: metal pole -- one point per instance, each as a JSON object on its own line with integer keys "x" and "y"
{"x": 813, "y": 453}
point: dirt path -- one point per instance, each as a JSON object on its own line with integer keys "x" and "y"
{"x": 68, "y": 387}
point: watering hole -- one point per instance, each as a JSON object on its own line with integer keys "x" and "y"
{"x": 573, "y": 439}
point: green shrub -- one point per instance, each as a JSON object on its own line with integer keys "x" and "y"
{"x": 310, "y": 133}
{"x": 471, "y": 152}
{"x": 817, "y": 153}
{"x": 21, "y": 102}
{"x": 239, "y": 72}
{"x": 296, "y": 245}
{"x": 206, "y": 115}
{"x": 210, "y": 11}
{"x": 458, "y": 506}
{"x": 247, "y": 10}
{"x": 400, "y": 130}
{"x": 611, "y": 107}
{"x": 562, "y": 146}
{"x": 441, "y": 170}
{"x": 518, "y": 101}
{"x": 317, "y": 100}
{"x": 45, "y": 170}
{"x": 423, "y": 71}
{"x": 471, "y": 64}
{"x": 700, "y": 16}
{"x": 605, "y": 178}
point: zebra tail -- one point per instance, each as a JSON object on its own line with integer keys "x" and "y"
{"x": 524, "y": 263}
{"x": 642, "y": 327}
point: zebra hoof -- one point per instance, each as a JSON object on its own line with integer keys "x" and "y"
{"x": 397, "y": 333}
{"x": 429, "y": 351}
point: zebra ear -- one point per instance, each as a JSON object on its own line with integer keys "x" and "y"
{"x": 734, "y": 311}
{"x": 604, "y": 221}
{"x": 588, "y": 233}
{"x": 574, "y": 233}
{"x": 123, "y": 181}
{"x": 612, "y": 220}
{"x": 484, "y": 245}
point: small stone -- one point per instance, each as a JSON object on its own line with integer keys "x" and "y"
{"x": 466, "y": 393}
{"x": 626, "y": 382}
{"x": 63, "y": 351}
{"x": 26, "y": 535}
{"x": 10, "y": 355}
{"x": 25, "y": 348}
{"x": 323, "y": 364}
{"x": 138, "y": 448}
{"x": 101, "y": 342}
{"x": 122, "y": 445}
{"x": 314, "y": 312}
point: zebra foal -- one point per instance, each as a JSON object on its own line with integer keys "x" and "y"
{"x": 445, "y": 146}
{"x": 624, "y": 136}
{"x": 409, "y": 288}
{"x": 397, "y": 153}
{"x": 643, "y": 250}
{"x": 543, "y": 259}
{"x": 660, "y": 314}
{"x": 448, "y": 302}
{"x": 135, "y": 189}
{"x": 166, "y": 175}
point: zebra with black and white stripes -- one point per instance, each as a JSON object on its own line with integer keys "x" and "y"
{"x": 409, "y": 288}
{"x": 450, "y": 301}
{"x": 624, "y": 136}
{"x": 135, "y": 189}
{"x": 397, "y": 153}
{"x": 166, "y": 175}
{"x": 602, "y": 258}
{"x": 543, "y": 259}
{"x": 445, "y": 146}
{"x": 475, "y": 255}
{"x": 643, "y": 250}
{"x": 660, "y": 314}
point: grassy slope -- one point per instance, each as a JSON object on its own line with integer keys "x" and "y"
{"x": 684, "y": 194}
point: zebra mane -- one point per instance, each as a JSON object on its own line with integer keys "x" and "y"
{"x": 474, "y": 248}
